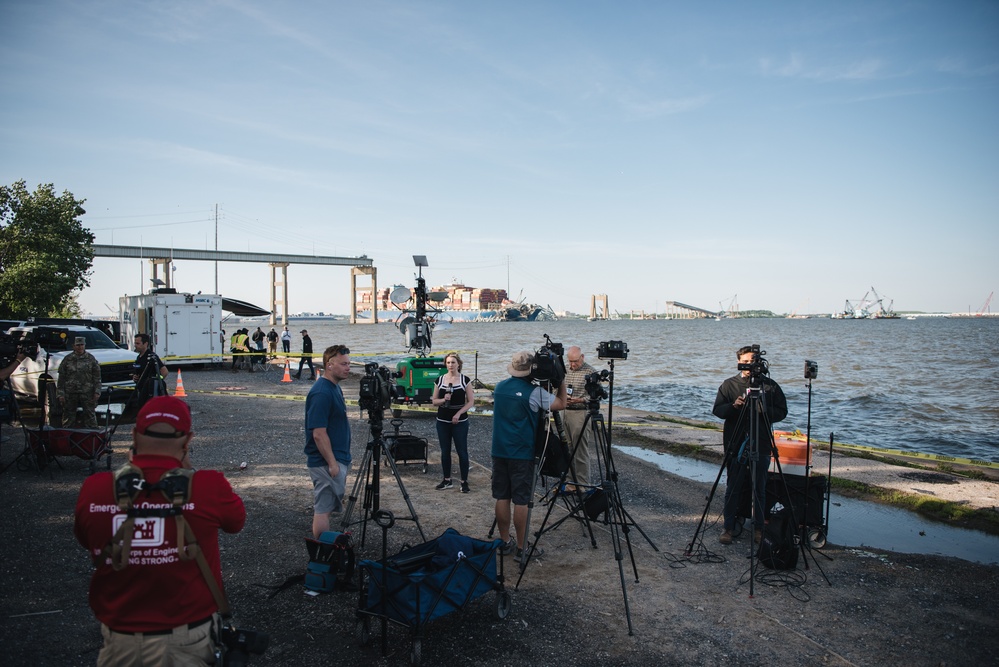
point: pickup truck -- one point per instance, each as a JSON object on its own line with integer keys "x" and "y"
{"x": 35, "y": 379}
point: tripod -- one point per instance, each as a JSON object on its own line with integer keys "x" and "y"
{"x": 746, "y": 458}
{"x": 15, "y": 414}
{"x": 616, "y": 517}
{"x": 369, "y": 480}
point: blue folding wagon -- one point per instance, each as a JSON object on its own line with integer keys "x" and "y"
{"x": 426, "y": 582}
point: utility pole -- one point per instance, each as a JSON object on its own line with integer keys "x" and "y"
{"x": 216, "y": 248}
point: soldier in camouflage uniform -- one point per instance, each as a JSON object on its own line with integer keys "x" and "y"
{"x": 79, "y": 385}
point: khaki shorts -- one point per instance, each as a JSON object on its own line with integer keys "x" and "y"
{"x": 327, "y": 492}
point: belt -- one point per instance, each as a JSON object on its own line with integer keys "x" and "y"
{"x": 575, "y": 408}
{"x": 190, "y": 626}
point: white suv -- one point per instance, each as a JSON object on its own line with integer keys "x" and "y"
{"x": 36, "y": 378}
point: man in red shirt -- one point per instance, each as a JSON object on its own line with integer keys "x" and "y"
{"x": 157, "y": 609}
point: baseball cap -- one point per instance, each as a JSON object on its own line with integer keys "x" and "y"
{"x": 303, "y": 331}
{"x": 164, "y": 410}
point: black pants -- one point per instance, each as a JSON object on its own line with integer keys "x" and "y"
{"x": 303, "y": 361}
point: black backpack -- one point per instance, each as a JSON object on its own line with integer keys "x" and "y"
{"x": 779, "y": 546}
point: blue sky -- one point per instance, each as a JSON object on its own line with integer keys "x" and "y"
{"x": 794, "y": 154}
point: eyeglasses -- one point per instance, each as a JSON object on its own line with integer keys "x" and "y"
{"x": 339, "y": 349}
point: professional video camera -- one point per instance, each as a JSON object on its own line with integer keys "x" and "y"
{"x": 758, "y": 367}
{"x": 549, "y": 365}
{"x": 376, "y": 389}
{"x": 594, "y": 384}
{"x": 11, "y": 346}
{"x": 238, "y": 644}
{"x": 612, "y": 349}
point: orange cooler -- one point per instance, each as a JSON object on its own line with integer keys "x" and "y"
{"x": 793, "y": 455}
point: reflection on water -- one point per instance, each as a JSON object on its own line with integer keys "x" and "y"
{"x": 856, "y": 523}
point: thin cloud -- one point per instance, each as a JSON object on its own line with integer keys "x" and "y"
{"x": 794, "y": 66}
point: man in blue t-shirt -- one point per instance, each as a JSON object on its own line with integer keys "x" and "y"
{"x": 517, "y": 405}
{"x": 327, "y": 438}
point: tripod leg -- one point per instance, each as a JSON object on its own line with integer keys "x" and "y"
{"x": 360, "y": 483}
{"x": 402, "y": 487}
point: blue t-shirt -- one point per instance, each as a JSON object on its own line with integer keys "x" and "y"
{"x": 325, "y": 408}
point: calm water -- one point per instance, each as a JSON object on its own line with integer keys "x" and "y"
{"x": 928, "y": 385}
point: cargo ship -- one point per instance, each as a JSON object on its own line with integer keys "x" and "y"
{"x": 457, "y": 302}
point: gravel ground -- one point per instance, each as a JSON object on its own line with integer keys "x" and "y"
{"x": 876, "y": 609}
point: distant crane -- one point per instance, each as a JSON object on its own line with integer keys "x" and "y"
{"x": 732, "y": 310}
{"x": 985, "y": 306}
{"x": 882, "y": 312}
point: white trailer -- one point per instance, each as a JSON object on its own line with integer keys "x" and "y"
{"x": 184, "y": 328}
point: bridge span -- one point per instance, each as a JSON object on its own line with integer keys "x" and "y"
{"x": 278, "y": 263}
{"x": 682, "y": 311}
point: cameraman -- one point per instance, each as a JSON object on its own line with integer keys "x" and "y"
{"x": 327, "y": 438}
{"x": 574, "y": 416}
{"x": 158, "y": 609}
{"x": 9, "y": 370}
{"x": 516, "y": 407}
{"x": 730, "y": 405}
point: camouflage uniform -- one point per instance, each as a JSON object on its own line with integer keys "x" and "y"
{"x": 79, "y": 380}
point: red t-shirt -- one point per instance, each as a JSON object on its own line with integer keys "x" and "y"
{"x": 157, "y": 590}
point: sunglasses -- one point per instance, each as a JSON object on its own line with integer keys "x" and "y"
{"x": 340, "y": 349}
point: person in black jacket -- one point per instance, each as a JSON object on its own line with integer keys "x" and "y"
{"x": 733, "y": 404}
{"x": 306, "y": 357}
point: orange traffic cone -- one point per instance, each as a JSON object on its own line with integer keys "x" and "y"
{"x": 180, "y": 393}
{"x": 287, "y": 371}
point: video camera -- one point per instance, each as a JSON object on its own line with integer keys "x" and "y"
{"x": 594, "y": 384}
{"x": 238, "y": 644}
{"x": 548, "y": 365}
{"x": 612, "y": 349}
{"x": 10, "y": 347}
{"x": 376, "y": 389}
{"x": 758, "y": 367}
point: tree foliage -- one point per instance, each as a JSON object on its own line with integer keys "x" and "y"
{"x": 45, "y": 251}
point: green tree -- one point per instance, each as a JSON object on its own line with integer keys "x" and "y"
{"x": 45, "y": 251}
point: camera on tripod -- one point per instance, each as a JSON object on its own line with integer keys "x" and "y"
{"x": 549, "y": 364}
{"x": 376, "y": 389}
{"x": 238, "y": 644}
{"x": 612, "y": 349}
{"x": 594, "y": 384}
{"x": 811, "y": 369}
{"x": 758, "y": 366}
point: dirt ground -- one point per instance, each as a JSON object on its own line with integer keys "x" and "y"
{"x": 851, "y": 607}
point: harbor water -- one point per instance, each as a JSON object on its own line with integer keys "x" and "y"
{"x": 927, "y": 385}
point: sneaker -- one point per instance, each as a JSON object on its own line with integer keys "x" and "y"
{"x": 726, "y": 537}
{"x": 464, "y": 487}
{"x": 522, "y": 553}
{"x": 508, "y": 547}
{"x": 445, "y": 484}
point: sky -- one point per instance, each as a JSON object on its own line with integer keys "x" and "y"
{"x": 786, "y": 156}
